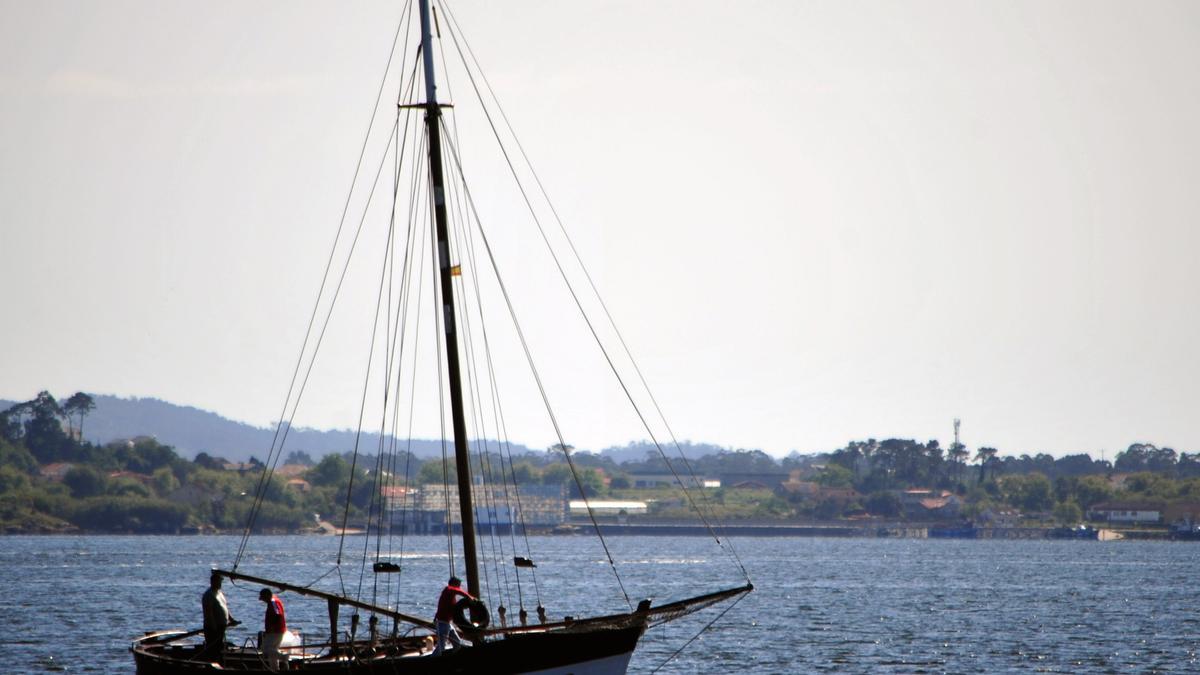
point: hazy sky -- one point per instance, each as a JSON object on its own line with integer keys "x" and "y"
{"x": 813, "y": 221}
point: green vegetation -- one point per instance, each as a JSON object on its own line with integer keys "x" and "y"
{"x": 52, "y": 481}
{"x": 1039, "y": 486}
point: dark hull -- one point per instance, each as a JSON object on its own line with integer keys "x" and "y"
{"x": 598, "y": 650}
{"x": 1085, "y": 533}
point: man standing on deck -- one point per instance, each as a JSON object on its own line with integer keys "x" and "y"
{"x": 445, "y": 614}
{"x": 216, "y": 618}
{"x": 274, "y": 628}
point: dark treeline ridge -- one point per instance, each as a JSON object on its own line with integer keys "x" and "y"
{"x": 191, "y": 430}
{"x": 50, "y": 480}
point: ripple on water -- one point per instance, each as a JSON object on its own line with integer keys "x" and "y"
{"x": 823, "y": 605}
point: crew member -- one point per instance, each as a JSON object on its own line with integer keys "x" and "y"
{"x": 216, "y": 618}
{"x": 445, "y": 614}
{"x": 275, "y": 625}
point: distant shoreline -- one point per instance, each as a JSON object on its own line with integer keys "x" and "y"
{"x": 878, "y": 531}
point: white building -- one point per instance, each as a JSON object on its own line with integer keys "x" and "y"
{"x": 1127, "y": 512}
{"x": 525, "y": 504}
{"x": 578, "y": 507}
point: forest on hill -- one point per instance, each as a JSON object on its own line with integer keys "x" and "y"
{"x": 191, "y": 431}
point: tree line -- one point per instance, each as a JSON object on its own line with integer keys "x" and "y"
{"x": 141, "y": 485}
{"x": 1063, "y": 488}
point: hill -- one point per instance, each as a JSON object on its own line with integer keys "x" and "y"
{"x": 191, "y": 431}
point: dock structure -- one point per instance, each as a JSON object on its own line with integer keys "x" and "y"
{"x": 747, "y": 530}
{"x": 886, "y": 530}
{"x": 1012, "y": 533}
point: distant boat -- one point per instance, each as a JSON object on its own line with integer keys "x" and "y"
{"x": 1184, "y": 530}
{"x": 1077, "y": 532}
{"x": 518, "y": 644}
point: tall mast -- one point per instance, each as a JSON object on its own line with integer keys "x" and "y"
{"x": 433, "y": 116}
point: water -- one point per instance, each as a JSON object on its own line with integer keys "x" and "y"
{"x": 841, "y": 605}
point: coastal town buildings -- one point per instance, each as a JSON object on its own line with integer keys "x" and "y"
{"x": 1127, "y": 512}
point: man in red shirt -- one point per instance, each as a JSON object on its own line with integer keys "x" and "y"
{"x": 276, "y": 626}
{"x": 445, "y": 614}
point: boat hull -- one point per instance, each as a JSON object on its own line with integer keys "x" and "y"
{"x": 1085, "y": 533}
{"x": 618, "y": 663}
{"x": 594, "y": 652}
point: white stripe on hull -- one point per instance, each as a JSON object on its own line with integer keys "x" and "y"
{"x": 609, "y": 665}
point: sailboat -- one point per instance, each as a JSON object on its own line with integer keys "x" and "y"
{"x": 496, "y": 642}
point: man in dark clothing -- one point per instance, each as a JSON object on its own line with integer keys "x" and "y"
{"x": 216, "y": 618}
{"x": 445, "y": 614}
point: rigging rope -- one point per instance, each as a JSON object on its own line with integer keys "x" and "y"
{"x": 382, "y": 305}
{"x": 462, "y": 242}
{"x": 455, "y": 32}
{"x": 440, "y": 378}
{"x": 392, "y": 354}
{"x": 463, "y": 234}
{"x": 708, "y": 625}
{"x": 415, "y": 245}
{"x": 379, "y": 499}
{"x": 269, "y": 467}
{"x": 370, "y": 358}
{"x": 541, "y": 387}
{"x": 398, "y": 339}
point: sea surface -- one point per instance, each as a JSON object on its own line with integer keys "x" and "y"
{"x": 73, "y": 603}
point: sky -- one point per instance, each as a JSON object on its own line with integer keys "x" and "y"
{"x": 813, "y": 222}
